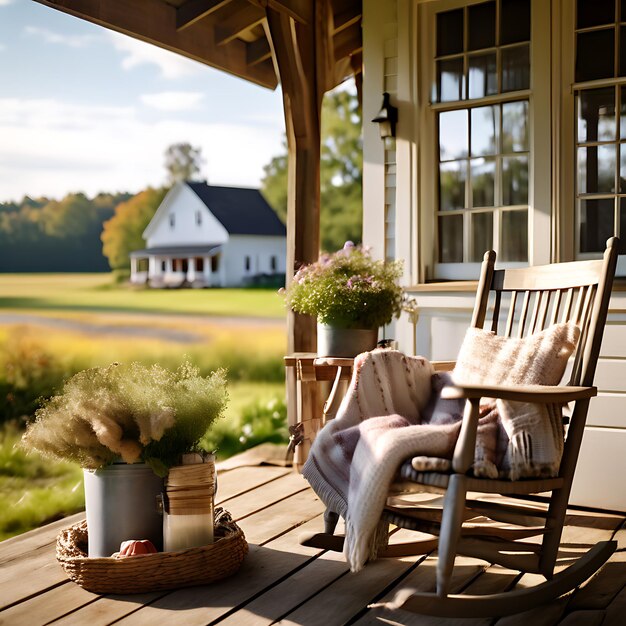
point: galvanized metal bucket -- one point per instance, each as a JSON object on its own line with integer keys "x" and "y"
{"x": 121, "y": 503}
{"x": 344, "y": 342}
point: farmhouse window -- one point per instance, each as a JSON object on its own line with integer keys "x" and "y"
{"x": 199, "y": 218}
{"x": 215, "y": 263}
{"x": 247, "y": 263}
{"x": 273, "y": 263}
{"x": 480, "y": 100}
{"x": 199, "y": 264}
{"x": 600, "y": 103}
{"x": 172, "y": 220}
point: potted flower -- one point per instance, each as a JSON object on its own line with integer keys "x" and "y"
{"x": 351, "y": 295}
{"x": 126, "y": 425}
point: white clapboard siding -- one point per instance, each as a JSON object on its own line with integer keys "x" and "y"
{"x": 599, "y": 479}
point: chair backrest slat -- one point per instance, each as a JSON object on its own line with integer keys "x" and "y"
{"x": 567, "y": 309}
{"x": 496, "y": 312}
{"x": 555, "y": 307}
{"x": 511, "y": 315}
{"x": 523, "y": 314}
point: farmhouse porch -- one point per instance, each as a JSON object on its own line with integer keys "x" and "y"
{"x": 174, "y": 267}
{"x": 286, "y": 583}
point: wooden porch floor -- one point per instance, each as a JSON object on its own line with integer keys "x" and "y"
{"x": 283, "y": 582}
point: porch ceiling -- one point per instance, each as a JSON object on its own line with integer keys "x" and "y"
{"x": 230, "y": 35}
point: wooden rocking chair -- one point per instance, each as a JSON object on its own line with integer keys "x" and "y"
{"x": 524, "y": 301}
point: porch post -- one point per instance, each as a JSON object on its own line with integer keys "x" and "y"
{"x": 133, "y": 268}
{"x": 191, "y": 269}
{"x": 295, "y": 47}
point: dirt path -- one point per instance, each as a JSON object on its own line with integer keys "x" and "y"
{"x": 138, "y": 325}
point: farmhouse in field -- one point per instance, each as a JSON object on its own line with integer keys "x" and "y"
{"x": 208, "y": 236}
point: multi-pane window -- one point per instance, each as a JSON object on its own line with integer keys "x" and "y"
{"x": 601, "y": 132}
{"x": 480, "y": 95}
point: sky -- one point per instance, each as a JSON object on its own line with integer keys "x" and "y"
{"x": 85, "y": 109}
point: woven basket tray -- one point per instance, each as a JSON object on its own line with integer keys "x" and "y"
{"x": 153, "y": 572}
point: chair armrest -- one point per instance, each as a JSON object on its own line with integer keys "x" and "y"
{"x": 522, "y": 393}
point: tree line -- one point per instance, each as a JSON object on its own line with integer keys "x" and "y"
{"x": 44, "y": 235}
{"x": 81, "y": 234}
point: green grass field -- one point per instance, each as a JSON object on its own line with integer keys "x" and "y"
{"x": 97, "y": 292}
{"x": 98, "y": 320}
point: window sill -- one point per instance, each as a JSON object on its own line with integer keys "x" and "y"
{"x": 619, "y": 285}
{"x": 451, "y": 285}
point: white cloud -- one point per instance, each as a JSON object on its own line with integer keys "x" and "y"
{"x": 137, "y": 53}
{"x": 173, "y": 100}
{"x": 5, "y": 3}
{"x": 49, "y": 36}
{"x": 51, "y": 147}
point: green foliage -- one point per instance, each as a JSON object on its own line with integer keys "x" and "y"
{"x": 341, "y": 165}
{"x": 71, "y": 217}
{"x": 348, "y": 289}
{"x": 122, "y": 233}
{"x": 133, "y": 411}
{"x": 34, "y": 490}
{"x": 259, "y": 422}
{"x": 182, "y": 162}
{"x": 50, "y": 235}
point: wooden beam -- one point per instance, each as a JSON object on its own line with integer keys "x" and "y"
{"x": 348, "y": 17}
{"x": 293, "y": 47}
{"x": 348, "y": 41}
{"x": 154, "y": 21}
{"x": 241, "y": 21}
{"x": 258, "y": 51}
{"x": 195, "y": 10}
{"x": 299, "y": 10}
{"x": 324, "y": 47}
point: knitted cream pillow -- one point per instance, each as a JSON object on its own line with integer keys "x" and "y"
{"x": 534, "y": 431}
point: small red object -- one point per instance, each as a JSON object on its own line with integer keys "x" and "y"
{"x": 136, "y": 547}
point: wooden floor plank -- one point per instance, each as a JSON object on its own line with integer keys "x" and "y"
{"x": 616, "y": 611}
{"x": 48, "y": 606}
{"x": 105, "y": 610}
{"x": 22, "y": 578}
{"x": 583, "y": 618}
{"x": 240, "y": 480}
{"x": 599, "y": 591}
{"x": 349, "y": 594}
{"x": 286, "y": 596}
{"x": 36, "y": 539}
{"x": 265, "y": 495}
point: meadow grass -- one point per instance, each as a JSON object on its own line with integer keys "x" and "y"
{"x": 35, "y": 358}
{"x": 98, "y": 292}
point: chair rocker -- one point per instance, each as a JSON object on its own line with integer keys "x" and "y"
{"x": 519, "y": 302}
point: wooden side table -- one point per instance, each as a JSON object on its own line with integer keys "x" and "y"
{"x": 310, "y": 405}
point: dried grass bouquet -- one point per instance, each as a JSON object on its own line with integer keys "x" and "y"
{"x": 132, "y": 412}
{"x": 348, "y": 289}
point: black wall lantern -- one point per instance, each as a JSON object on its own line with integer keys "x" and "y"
{"x": 387, "y": 118}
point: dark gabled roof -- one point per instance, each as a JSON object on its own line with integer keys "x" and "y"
{"x": 242, "y": 211}
{"x": 171, "y": 251}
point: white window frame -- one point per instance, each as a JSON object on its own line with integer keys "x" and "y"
{"x": 568, "y": 214}
{"x": 540, "y": 163}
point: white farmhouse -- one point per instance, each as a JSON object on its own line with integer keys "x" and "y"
{"x": 207, "y": 236}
